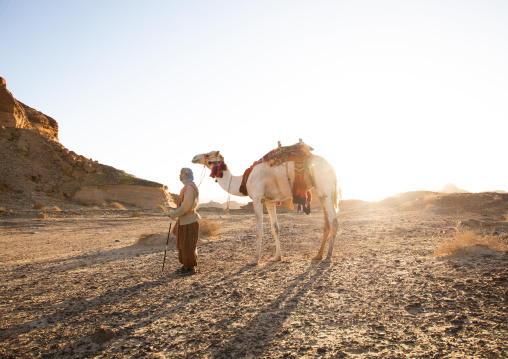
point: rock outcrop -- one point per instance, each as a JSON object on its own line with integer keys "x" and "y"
{"x": 11, "y": 112}
{"x": 18, "y": 115}
{"x": 41, "y": 123}
{"x": 34, "y": 166}
{"x": 142, "y": 196}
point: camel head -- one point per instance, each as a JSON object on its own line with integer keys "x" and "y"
{"x": 208, "y": 159}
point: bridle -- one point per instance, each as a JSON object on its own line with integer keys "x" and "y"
{"x": 218, "y": 166}
{"x": 217, "y": 172}
{"x": 203, "y": 173}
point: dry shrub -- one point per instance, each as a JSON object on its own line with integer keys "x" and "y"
{"x": 497, "y": 197}
{"x": 506, "y": 217}
{"x": 465, "y": 239}
{"x": 56, "y": 209}
{"x": 104, "y": 205}
{"x": 95, "y": 208}
{"x": 287, "y": 204}
{"x": 155, "y": 239}
{"x": 2, "y": 209}
{"x": 86, "y": 204}
{"x": 40, "y": 206}
{"x": 162, "y": 208}
{"x": 144, "y": 236}
{"x": 137, "y": 214}
{"x": 116, "y": 205}
{"x": 208, "y": 228}
{"x": 42, "y": 215}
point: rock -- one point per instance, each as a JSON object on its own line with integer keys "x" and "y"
{"x": 102, "y": 335}
{"x": 41, "y": 123}
{"x": 142, "y": 196}
{"x": 57, "y": 195}
{"x": 88, "y": 168}
{"x": 70, "y": 160}
{"x": 65, "y": 166}
{"x": 4, "y": 133}
{"x": 12, "y": 113}
{"x": 23, "y": 149}
{"x": 48, "y": 189}
{"x": 34, "y": 176}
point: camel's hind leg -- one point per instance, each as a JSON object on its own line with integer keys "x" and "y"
{"x": 326, "y": 232}
{"x": 332, "y": 217}
{"x": 331, "y": 224}
{"x": 270, "y": 207}
{"x": 325, "y": 182}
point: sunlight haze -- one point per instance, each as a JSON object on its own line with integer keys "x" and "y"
{"x": 398, "y": 96}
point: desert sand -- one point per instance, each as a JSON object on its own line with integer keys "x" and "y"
{"x": 78, "y": 285}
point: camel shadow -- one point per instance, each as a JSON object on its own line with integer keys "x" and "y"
{"x": 270, "y": 319}
{"x": 173, "y": 302}
{"x": 267, "y": 322}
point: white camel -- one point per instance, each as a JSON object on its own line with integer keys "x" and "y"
{"x": 269, "y": 184}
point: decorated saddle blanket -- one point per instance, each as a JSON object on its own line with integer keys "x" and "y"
{"x": 296, "y": 153}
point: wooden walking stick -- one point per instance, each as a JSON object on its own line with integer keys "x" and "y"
{"x": 165, "y": 250}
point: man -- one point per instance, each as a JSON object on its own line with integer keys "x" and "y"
{"x": 187, "y": 226}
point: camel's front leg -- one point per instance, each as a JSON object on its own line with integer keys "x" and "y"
{"x": 258, "y": 212}
{"x": 270, "y": 207}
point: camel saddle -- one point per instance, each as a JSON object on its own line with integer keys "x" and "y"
{"x": 296, "y": 153}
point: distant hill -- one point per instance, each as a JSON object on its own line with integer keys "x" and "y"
{"x": 213, "y": 204}
{"x": 451, "y": 188}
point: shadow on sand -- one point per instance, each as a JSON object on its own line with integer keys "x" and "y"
{"x": 270, "y": 319}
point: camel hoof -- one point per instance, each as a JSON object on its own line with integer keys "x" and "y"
{"x": 317, "y": 258}
{"x": 275, "y": 259}
{"x": 327, "y": 259}
{"x": 253, "y": 263}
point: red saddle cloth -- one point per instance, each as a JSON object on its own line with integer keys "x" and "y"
{"x": 282, "y": 155}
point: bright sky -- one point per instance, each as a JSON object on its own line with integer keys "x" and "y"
{"x": 398, "y": 95}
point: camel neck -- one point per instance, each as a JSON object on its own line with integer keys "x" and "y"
{"x": 230, "y": 183}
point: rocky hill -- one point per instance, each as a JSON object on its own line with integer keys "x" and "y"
{"x": 213, "y": 204}
{"x": 36, "y": 168}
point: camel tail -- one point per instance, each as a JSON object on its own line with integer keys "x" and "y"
{"x": 337, "y": 194}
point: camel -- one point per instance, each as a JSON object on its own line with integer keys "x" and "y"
{"x": 270, "y": 184}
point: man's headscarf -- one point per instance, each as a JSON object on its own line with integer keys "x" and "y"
{"x": 188, "y": 176}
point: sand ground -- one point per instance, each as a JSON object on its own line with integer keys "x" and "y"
{"x": 75, "y": 285}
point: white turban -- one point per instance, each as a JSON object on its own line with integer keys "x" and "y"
{"x": 188, "y": 176}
